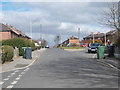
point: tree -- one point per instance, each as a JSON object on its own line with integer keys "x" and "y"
{"x": 57, "y": 39}
{"x": 111, "y": 18}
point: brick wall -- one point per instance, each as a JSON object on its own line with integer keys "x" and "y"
{"x": 5, "y": 35}
{"x": 74, "y": 41}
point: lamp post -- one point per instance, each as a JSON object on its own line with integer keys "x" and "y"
{"x": 31, "y": 28}
{"x": 93, "y": 38}
{"x": 79, "y": 35}
{"x": 105, "y": 39}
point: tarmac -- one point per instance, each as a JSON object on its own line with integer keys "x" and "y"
{"x": 20, "y": 62}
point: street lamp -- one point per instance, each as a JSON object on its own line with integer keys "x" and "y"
{"x": 93, "y": 37}
{"x": 79, "y": 35}
{"x": 31, "y": 28}
{"x": 105, "y": 39}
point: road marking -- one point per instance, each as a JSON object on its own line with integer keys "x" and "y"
{"x": 9, "y": 76}
{"x": 17, "y": 78}
{"x": 11, "y": 86}
{"x": 26, "y": 70}
{"x": 17, "y": 71}
{"x": 13, "y": 73}
{"x": 20, "y": 75}
{"x": 1, "y": 83}
{"x": 23, "y": 73}
{"x": 6, "y": 79}
{"x": 20, "y": 68}
{"x": 23, "y": 67}
{"x": 14, "y": 82}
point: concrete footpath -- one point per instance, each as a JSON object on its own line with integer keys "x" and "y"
{"x": 111, "y": 61}
{"x": 20, "y": 62}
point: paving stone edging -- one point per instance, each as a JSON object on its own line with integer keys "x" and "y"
{"x": 20, "y": 62}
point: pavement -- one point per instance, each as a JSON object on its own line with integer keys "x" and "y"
{"x": 20, "y": 62}
{"x": 57, "y": 68}
{"x": 111, "y": 61}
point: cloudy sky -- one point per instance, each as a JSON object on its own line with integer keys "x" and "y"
{"x": 52, "y": 18}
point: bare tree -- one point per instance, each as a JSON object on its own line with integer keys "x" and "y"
{"x": 57, "y": 39}
{"x": 110, "y": 16}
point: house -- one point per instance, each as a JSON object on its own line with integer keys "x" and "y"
{"x": 8, "y": 32}
{"x": 88, "y": 39}
{"x": 71, "y": 41}
{"x": 98, "y": 36}
{"x": 112, "y": 36}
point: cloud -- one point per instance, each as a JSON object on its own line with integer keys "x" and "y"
{"x": 55, "y": 18}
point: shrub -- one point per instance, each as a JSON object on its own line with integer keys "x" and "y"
{"x": 19, "y": 43}
{"x": 97, "y": 41}
{"x": 7, "y": 53}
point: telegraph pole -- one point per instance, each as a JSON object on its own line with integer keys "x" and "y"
{"x": 105, "y": 39}
{"x": 119, "y": 14}
{"x": 31, "y": 28}
{"x": 79, "y": 35}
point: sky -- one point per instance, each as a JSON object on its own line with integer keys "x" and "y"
{"x": 48, "y": 19}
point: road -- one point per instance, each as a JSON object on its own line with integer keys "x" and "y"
{"x": 57, "y": 68}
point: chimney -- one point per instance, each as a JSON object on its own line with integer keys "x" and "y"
{"x": 72, "y": 36}
{"x": 98, "y": 33}
{"x": 11, "y": 26}
{"x": 91, "y": 33}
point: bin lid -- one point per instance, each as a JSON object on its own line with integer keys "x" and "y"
{"x": 101, "y": 46}
{"x": 24, "y": 47}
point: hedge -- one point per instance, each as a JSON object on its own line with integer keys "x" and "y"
{"x": 19, "y": 43}
{"x": 7, "y": 53}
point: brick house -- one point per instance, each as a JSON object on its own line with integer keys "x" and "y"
{"x": 70, "y": 41}
{"x": 89, "y": 38}
{"x": 8, "y": 32}
{"x": 112, "y": 36}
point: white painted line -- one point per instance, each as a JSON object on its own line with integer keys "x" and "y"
{"x": 17, "y": 78}
{"x": 23, "y": 73}
{"x": 17, "y": 71}
{"x": 20, "y": 68}
{"x": 23, "y": 67}
{"x": 20, "y": 75}
{"x": 13, "y": 73}
{"x": 14, "y": 82}
{"x": 26, "y": 70}
{"x": 6, "y": 79}
{"x": 9, "y": 76}
{"x": 11, "y": 86}
{"x": 1, "y": 83}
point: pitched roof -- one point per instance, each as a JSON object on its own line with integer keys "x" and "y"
{"x": 4, "y": 27}
{"x": 72, "y": 37}
{"x": 111, "y": 32}
{"x": 95, "y": 35}
{"x": 10, "y": 28}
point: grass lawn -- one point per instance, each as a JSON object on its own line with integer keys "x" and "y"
{"x": 73, "y": 47}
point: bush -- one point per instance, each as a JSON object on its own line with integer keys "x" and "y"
{"x": 97, "y": 41}
{"x": 19, "y": 43}
{"x": 7, "y": 53}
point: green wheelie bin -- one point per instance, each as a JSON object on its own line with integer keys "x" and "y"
{"x": 100, "y": 52}
{"x": 24, "y": 50}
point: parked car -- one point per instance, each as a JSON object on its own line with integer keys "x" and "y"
{"x": 93, "y": 47}
{"x": 46, "y": 46}
{"x": 85, "y": 45}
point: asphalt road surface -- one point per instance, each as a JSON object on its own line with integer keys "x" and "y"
{"x": 57, "y": 68}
